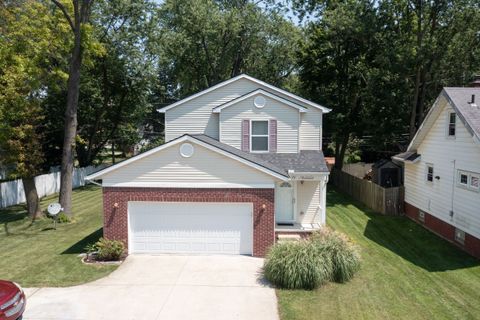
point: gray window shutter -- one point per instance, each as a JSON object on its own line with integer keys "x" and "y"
{"x": 246, "y": 135}
{"x": 272, "y": 135}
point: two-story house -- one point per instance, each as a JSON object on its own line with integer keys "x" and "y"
{"x": 242, "y": 164}
{"x": 442, "y": 169}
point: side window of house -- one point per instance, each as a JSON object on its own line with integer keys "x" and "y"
{"x": 429, "y": 172}
{"x": 468, "y": 180}
{"x": 452, "y": 118}
{"x": 259, "y": 136}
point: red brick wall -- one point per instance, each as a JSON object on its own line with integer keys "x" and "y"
{"x": 116, "y": 219}
{"x": 444, "y": 230}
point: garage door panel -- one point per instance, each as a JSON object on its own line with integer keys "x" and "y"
{"x": 190, "y": 227}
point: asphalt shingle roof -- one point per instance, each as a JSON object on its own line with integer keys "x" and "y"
{"x": 305, "y": 161}
{"x": 469, "y": 114}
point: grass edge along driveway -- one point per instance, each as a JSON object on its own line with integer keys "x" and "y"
{"x": 35, "y": 255}
{"x": 406, "y": 273}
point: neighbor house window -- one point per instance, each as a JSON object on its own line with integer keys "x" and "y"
{"x": 429, "y": 173}
{"x": 452, "y": 117}
{"x": 463, "y": 179}
{"x": 468, "y": 180}
{"x": 475, "y": 182}
{"x": 460, "y": 236}
{"x": 259, "y": 136}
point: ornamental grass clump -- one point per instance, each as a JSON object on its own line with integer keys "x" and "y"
{"x": 295, "y": 265}
{"x": 326, "y": 256}
{"x": 342, "y": 252}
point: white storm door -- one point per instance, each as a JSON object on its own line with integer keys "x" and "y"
{"x": 284, "y": 203}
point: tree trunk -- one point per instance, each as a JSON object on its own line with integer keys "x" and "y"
{"x": 33, "y": 203}
{"x": 70, "y": 125}
{"x": 113, "y": 152}
{"x": 413, "y": 111}
{"x": 342, "y": 148}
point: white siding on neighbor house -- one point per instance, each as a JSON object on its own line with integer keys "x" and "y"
{"x": 447, "y": 156}
{"x": 311, "y": 130}
{"x": 196, "y": 117}
{"x": 206, "y": 168}
{"x": 309, "y": 206}
{"x": 287, "y": 122}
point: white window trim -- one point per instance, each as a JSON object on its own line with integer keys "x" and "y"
{"x": 468, "y": 185}
{"x": 447, "y": 132}
{"x": 260, "y": 135}
{"x": 428, "y": 165}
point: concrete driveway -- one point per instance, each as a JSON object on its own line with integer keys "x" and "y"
{"x": 163, "y": 287}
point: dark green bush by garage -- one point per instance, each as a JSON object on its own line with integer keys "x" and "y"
{"x": 326, "y": 256}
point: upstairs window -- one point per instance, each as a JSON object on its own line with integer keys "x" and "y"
{"x": 259, "y": 136}
{"x": 429, "y": 173}
{"x": 452, "y": 118}
{"x": 468, "y": 180}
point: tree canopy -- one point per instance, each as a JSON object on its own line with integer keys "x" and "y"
{"x": 378, "y": 64}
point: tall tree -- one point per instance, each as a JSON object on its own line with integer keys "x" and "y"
{"x": 336, "y": 63}
{"x": 80, "y": 17}
{"x": 203, "y": 42}
{"x": 390, "y": 56}
{"x": 27, "y": 36}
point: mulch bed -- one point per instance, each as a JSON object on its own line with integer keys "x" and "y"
{"x": 91, "y": 259}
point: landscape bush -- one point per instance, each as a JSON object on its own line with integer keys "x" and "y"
{"x": 295, "y": 265}
{"x": 107, "y": 250}
{"x": 325, "y": 256}
{"x": 343, "y": 253}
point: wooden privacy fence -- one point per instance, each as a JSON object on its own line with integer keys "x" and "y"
{"x": 387, "y": 201}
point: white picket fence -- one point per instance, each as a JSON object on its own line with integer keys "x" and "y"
{"x": 11, "y": 192}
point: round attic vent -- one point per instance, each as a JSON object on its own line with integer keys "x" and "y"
{"x": 259, "y": 102}
{"x": 186, "y": 150}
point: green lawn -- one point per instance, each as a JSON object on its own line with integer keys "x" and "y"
{"x": 36, "y": 255}
{"x": 407, "y": 273}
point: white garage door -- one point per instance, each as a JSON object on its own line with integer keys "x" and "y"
{"x": 190, "y": 227}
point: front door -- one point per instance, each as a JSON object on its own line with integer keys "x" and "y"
{"x": 284, "y": 203}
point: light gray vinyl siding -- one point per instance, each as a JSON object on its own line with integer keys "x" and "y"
{"x": 311, "y": 130}
{"x": 206, "y": 168}
{"x": 286, "y": 116}
{"x": 196, "y": 117}
{"x": 447, "y": 156}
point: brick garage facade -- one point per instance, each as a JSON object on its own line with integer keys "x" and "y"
{"x": 115, "y": 208}
{"x": 444, "y": 230}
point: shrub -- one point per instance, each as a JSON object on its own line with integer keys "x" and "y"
{"x": 297, "y": 265}
{"x": 326, "y": 256}
{"x": 107, "y": 250}
{"x": 60, "y": 218}
{"x": 63, "y": 218}
{"x": 342, "y": 252}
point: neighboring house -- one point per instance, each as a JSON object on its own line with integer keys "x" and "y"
{"x": 442, "y": 169}
{"x": 242, "y": 164}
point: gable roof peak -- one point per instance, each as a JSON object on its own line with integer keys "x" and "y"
{"x": 250, "y": 78}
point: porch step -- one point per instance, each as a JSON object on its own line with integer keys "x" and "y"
{"x": 288, "y": 237}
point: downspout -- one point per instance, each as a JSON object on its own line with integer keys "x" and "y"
{"x": 454, "y": 177}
